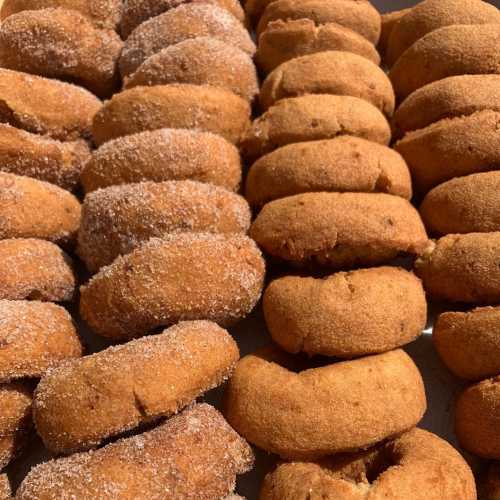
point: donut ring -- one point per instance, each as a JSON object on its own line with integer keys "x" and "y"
{"x": 68, "y": 47}
{"x": 331, "y": 72}
{"x": 322, "y": 411}
{"x": 190, "y": 20}
{"x": 193, "y": 454}
{"x": 402, "y": 468}
{"x": 35, "y": 336}
{"x": 5, "y": 491}
{"x": 389, "y": 20}
{"x": 224, "y": 276}
{"x": 202, "y": 108}
{"x": 493, "y": 482}
{"x": 118, "y": 219}
{"x": 346, "y": 315}
{"x": 339, "y": 230}
{"x": 164, "y": 155}
{"x": 35, "y": 269}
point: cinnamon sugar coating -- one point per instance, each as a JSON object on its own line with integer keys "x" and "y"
{"x": 5, "y": 491}
{"x": 389, "y": 20}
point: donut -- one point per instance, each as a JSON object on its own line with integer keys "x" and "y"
{"x": 346, "y": 315}
{"x": 5, "y": 491}
{"x": 36, "y": 270}
{"x": 469, "y": 342}
{"x": 285, "y": 40}
{"x": 185, "y": 276}
{"x": 407, "y": 467}
{"x": 321, "y": 411}
{"x": 200, "y": 61}
{"x": 189, "y": 20}
{"x": 430, "y": 15}
{"x": 389, "y": 20}
{"x": 359, "y": 16}
{"x": 15, "y": 420}
{"x": 35, "y": 209}
{"x": 463, "y": 205}
{"x": 198, "y": 107}
{"x": 449, "y": 51}
{"x": 194, "y": 454}
{"x": 492, "y": 483}
{"x": 105, "y": 14}
{"x": 48, "y": 107}
{"x": 164, "y": 155}
{"x": 462, "y": 268}
{"x": 345, "y": 163}
{"x": 329, "y": 72}
{"x": 451, "y": 148}
{"x": 477, "y": 418}
{"x": 339, "y": 230}
{"x": 59, "y": 43}
{"x": 118, "y": 219}
{"x": 314, "y": 117}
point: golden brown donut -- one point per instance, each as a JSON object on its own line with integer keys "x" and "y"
{"x": 463, "y": 205}
{"x": 418, "y": 465}
{"x": 452, "y": 148}
{"x": 35, "y": 209}
{"x": 492, "y": 483}
{"x": 360, "y": 16}
{"x": 118, "y": 219}
{"x": 193, "y": 455}
{"x": 189, "y": 20}
{"x": 321, "y": 411}
{"x": 339, "y": 230}
{"x": 36, "y": 270}
{"x": 469, "y": 342}
{"x": 197, "y": 107}
{"x": 449, "y": 51}
{"x": 163, "y": 155}
{"x": 186, "y": 276}
{"x": 5, "y": 491}
{"x": 329, "y": 72}
{"x": 346, "y": 315}
{"x": 200, "y": 61}
{"x": 48, "y": 107}
{"x": 462, "y": 268}
{"x": 345, "y": 163}
{"x": 35, "y": 336}
{"x": 79, "y": 404}
{"x": 389, "y": 20}
{"x": 59, "y": 43}
{"x": 313, "y": 117}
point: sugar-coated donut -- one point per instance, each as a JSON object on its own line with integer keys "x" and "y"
{"x": 407, "y": 467}
{"x": 389, "y": 20}
{"x": 449, "y": 51}
{"x": 164, "y": 155}
{"x": 329, "y": 72}
{"x": 346, "y": 314}
{"x": 194, "y": 454}
{"x": 469, "y": 342}
{"x": 492, "y": 482}
{"x": 186, "y": 276}
{"x": 36, "y": 270}
{"x": 35, "y": 336}
{"x": 200, "y": 61}
{"x": 452, "y": 148}
{"x": 321, "y": 411}
{"x": 189, "y": 20}
{"x": 197, "y": 107}
{"x": 284, "y": 40}
{"x": 313, "y": 117}
{"x": 117, "y": 219}
{"x": 48, "y": 107}
{"x": 60, "y": 43}
{"x": 339, "y": 230}
{"x": 462, "y": 268}
{"x": 5, "y": 491}
{"x": 35, "y": 209}
{"x": 79, "y": 404}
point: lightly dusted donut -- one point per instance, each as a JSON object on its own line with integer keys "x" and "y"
{"x": 164, "y": 155}
{"x": 118, "y": 219}
{"x": 79, "y": 404}
{"x": 321, "y": 411}
{"x": 194, "y": 454}
{"x": 407, "y": 467}
{"x": 185, "y": 276}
